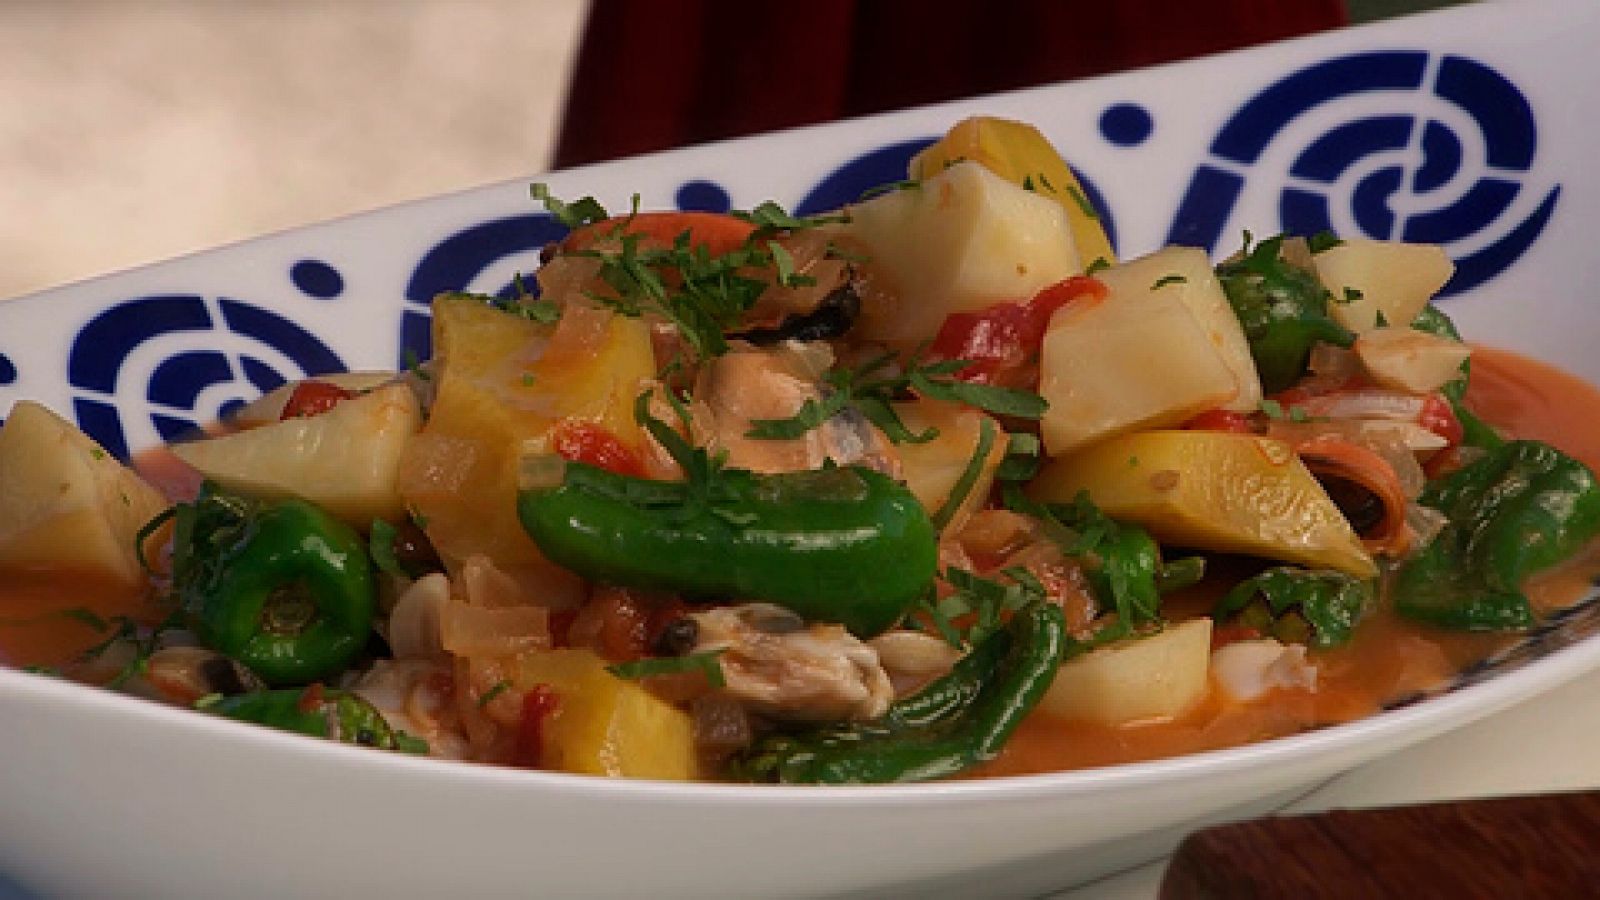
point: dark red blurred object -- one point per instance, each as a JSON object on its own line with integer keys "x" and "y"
{"x": 656, "y": 75}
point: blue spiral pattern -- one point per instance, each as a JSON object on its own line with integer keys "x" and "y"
{"x": 162, "y": 366}
{"x": 1394, "y": 145}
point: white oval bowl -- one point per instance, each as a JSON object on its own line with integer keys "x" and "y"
{"x": 107, "y": 795}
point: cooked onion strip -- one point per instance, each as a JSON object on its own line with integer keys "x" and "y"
{"x": 1341, "y": 465}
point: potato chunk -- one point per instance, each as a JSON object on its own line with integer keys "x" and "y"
{"x": 1017, "y": 152}
{"x": 1233, "y": 493}
{"x": 268, "y": 408}
{"x": 932, "y": 469}
{"x": 344, "y": 460}
{"x": 603, "y": 725}
{"x": 1161, "y": 346}
{"x": 1369, "y": 277}
{"x": 504, "y": 383}
{"x": 1406, "y": 359}
{"x": 65, "y": 504}
{"x": 1137, "y": 679}
{"x": 962, "y": 240}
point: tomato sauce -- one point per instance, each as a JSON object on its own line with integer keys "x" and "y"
{"x": 41, "y": 621}
{"x": 1389, "y": 657}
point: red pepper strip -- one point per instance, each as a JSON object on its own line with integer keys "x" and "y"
{"x": 586, "y": 442}
{"x": 1225, "y": 420}
{"x": 311, "y": 398}
{"x": 716, "y": 232}
{"x": 538, "y": 705}
{"x": 1439, "y": 417}
{"x": 1004, "y": 339}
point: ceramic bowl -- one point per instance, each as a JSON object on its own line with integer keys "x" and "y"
{"x": 1472, "y": 128}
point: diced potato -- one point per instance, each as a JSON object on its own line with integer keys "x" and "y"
{"x": 1367, "y": 277}
{"x": 65, "y": 504}
{"x": 268, "y": 408}
{"x": 1154, "y": 351}
{"x": 963, "y": 240}
{"x": 603, "y": 725}
{"x": 1233, "y": 493}
{"x": 1406, "y": 359}
{"x": 502, "y": 383}
{"x": 1017, "y": 152}
{"x": 344, "y": 460}
{"x": 932, "y": 469}
{"x": 1135, "y": 680}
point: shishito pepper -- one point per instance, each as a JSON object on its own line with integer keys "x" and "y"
{"x": 843, "y": 544}
{"x": 282, "y": 587}
{"x": 1316, "y": 607}
{"x": 333, "y": 715}
{"x": 958, "y": 721}
{"x": 1523, "y": 507}
{"x": 1284, "y": 311}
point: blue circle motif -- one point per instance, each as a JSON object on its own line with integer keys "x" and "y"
{"x": 1126, "y": 124}
{"x": 1397, "y": 175}
{"x": 8, "y": 370}
{"x": 214, "y": 362}
{"x": 701, "y": 195}
{"x": 316, "y": 278}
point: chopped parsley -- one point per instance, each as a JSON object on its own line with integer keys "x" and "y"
{"x": 1322, "y": 240}
{"x": 703, "y": 294}
{"x": 1028, "y": 183}
{"x": 708, "y": 663}
{"x": 908, "y": 184}
{"x": 500, "y": 687}
{"x": 871, "y": 389}
{"x": 985, "y": 600}
{"x": 969, "y": 476}
{"x": 1100, "y": 264}
{"x": 380, "y": 546}
{"x": 1169, "y": 279}
{"x": 1021, "y": 461}
{"x": 574, "y": 215}
{"x": 1083, "y": 203}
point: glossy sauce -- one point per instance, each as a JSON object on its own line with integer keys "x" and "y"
{"x": 1389, "y": 657}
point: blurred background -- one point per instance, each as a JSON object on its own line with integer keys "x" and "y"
{"x": 137, "y": 130}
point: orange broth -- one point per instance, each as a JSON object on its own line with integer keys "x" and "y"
{"x": 1389, "y": 657}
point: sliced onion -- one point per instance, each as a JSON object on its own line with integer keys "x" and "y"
{"x": 1333, "y": 362}
{"x": 1365, "y": 404}
{"x": 914, "y": 653}
{"x": 414, "y": 623}
{"x": 1425, "y": 523}
{"x": 1399, "y": 443}
{"x": 475, "y": 631}
{"x": 1331, "y": 458}
{"x": 436, "y": 464}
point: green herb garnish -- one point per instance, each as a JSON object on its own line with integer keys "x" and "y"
{"x": 707, "y": 663}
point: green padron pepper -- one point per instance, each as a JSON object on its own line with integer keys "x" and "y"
{"x": 842, "y": 544}
{"x": 958, "y": 721}
{"x": 1474, "y": 431}
{"x": 280, "y": 586}
{"x": 1523, "y": 507}
{"x": 329, "y": 714}
{"x": 1283, "y": 310}
{"x": 1319, "y": 608}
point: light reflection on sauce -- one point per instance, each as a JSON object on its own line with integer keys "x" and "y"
{"x": 1388, "y": 657}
